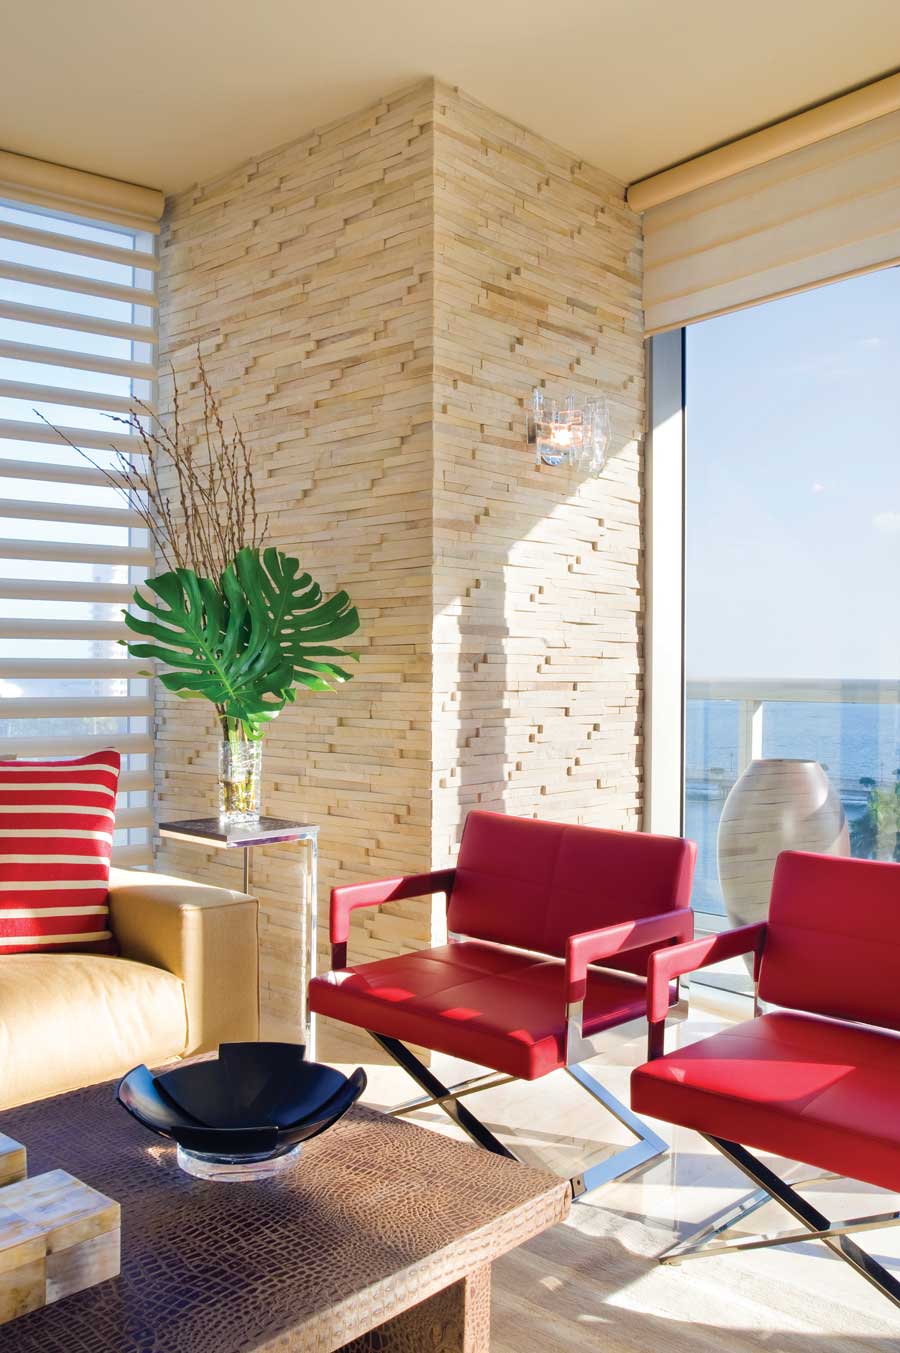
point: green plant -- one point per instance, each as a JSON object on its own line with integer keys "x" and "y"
{"x": 875, "y": 835}
{"x": 244, "y": 642}
{"x": 233, "y": 622}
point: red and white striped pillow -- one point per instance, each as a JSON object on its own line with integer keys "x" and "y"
{"x": 56, "y": 827}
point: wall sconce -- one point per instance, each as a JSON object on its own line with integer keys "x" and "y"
{"x": 574, "y": 430}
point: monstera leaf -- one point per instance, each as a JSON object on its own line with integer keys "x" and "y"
{"x": 288, "y": 605}
{"x": 245, "y": 643}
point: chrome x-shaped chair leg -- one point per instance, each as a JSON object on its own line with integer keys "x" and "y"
{"x": 836, "y": 1235}
{"x": 441, "y": 1095}
{"x": 647, "y": 1147}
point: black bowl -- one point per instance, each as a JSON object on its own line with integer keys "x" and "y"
{"x": 245, "y": 1113}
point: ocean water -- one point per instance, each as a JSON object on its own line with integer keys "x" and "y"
{"x": 850, "y": 741}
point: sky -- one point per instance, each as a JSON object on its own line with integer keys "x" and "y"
{"x": 793, "y": 486}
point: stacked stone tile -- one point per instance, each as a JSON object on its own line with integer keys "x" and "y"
{"x": 536, "y": 572}
{"x": 374, "y": 303}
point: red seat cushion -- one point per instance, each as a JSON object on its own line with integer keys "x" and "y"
{"x": 56, "y": 828}
{"x": 803, "y": 1086}
{"x": 498, "y": 1007}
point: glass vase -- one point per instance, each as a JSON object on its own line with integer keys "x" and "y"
{"x": 240, "y": 780}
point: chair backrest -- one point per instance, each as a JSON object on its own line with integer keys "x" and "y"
{"x": 833, "y": 942}
{"x": 533, "y": 884}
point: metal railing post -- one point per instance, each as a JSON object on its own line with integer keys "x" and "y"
{"x": 750, "y": 733}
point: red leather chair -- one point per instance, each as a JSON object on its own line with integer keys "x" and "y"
{"x": 817, "y": 1080}
{"x": 531, "y": 908}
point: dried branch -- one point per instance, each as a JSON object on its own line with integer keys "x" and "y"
{"x": 209, "y": 512}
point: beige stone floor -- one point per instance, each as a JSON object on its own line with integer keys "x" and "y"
{"x": 594, "y": 1283}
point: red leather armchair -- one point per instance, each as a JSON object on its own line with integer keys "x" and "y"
{"x": 816, "y": 1080}
{"x": 532, "y": 909}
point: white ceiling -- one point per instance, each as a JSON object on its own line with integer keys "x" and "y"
{"x": 167, "y": 93}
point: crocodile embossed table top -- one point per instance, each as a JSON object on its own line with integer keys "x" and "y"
{"x": 378, "y": 1216}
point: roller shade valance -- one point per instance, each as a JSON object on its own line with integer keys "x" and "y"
{"x": 814, "y": 215}
{"x": 58, "y": 188}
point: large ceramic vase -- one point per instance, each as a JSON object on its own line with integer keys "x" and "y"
{"x": 776, "y": 805}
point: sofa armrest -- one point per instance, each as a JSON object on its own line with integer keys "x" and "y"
{"x": 205, "y": 935}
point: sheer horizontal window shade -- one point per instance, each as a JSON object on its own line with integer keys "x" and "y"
{"x": 78, "y": 275}
{"x": 826, "y": 211}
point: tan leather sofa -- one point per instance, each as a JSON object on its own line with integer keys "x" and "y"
{"x": 187, "y": 978}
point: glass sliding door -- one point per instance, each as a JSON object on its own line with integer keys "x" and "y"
{"x": 792, "y": 557}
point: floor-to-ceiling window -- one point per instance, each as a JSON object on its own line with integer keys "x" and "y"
{"x": 792, "y": 556}
{"x": 77, "y": 300}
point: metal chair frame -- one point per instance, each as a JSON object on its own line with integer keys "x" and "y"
{"x": 770, "y": 1187}
{"x": 648, "y": 1145}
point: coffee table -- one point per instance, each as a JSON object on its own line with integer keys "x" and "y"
{"x": 381, "y": 1239}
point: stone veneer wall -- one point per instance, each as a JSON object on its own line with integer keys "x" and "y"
{"x": 374, "y": 303}
{"x": 306, "y": 279}
{"x": 537, "y": 653}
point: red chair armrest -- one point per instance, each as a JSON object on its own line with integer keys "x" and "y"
{"x": 667, "y": 964}
{"x": 346, "y": 899}
{"x": 592, "y": 946}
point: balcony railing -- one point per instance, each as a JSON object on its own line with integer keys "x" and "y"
{"x": 851, "y": 726}
{"x": 732, "y": 721}
{"x": 752, "y": 694}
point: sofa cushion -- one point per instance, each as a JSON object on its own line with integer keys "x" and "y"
{"x": 68, "y": 1020}
{"x": 56, "y": 828}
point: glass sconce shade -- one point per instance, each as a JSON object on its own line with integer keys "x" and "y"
{"x": 574, "y": 430}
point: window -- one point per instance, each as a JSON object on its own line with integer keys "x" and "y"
{"x": 792, "y": 554}
{"x": 77, "y": 335}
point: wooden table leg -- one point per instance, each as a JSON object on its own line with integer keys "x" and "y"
{"x": 455, "y": 1320}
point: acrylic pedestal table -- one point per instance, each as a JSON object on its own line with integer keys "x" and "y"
{"x": 267, "y": 831}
